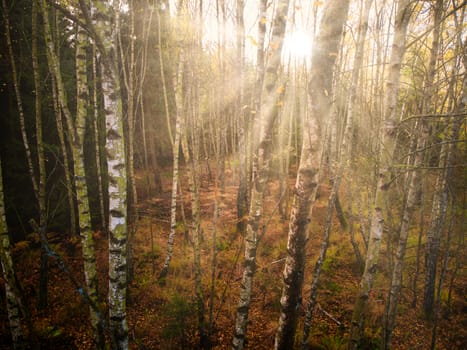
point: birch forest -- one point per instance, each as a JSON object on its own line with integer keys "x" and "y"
{"x": 233, "y": 174}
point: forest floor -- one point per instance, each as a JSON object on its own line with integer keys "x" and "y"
{"x": 163, "y": 315}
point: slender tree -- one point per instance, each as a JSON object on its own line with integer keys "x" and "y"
{"x": 75, "y": 130}
{"x": 175, "y": 174}
{"x": 320, "y": 90}
{"x": 105, "y": 26}
{"x": 192, "y": 158}
{"x": 242, "y": 195}
{"x": 128, "y": 69}
{"x": 414, "y": 183}
{"x": 87, "y": 240}
{"x": 270, "y": 93}
{"x": 95, "y": 120}
{"x": 190, "y": 144}
{"x": 346, "y": 148}
{"x": 40, "y": 158}
{"x": 13, "y": 297}
{"x": 38, "y": 182}
{"x": 388, "y": 135}
{"x": 439, "y": 209}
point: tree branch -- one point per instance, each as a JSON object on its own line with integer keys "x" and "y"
{"x": 70, "y": 16}
{"x": 87, "y": 25}
{"x": 95, "y": 35}
{"x": 448, "y": 115}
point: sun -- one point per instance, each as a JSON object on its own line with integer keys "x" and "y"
{"x": 298, "y": 45}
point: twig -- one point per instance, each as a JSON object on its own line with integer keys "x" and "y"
{"x": 448, "y": 115}
{"x": 329, "y": 315}
{"x": 70, "y": 16}
{"x": 277, "y": 261}
{"x": 409, "y": 167}
{"x": 265, "y": 226}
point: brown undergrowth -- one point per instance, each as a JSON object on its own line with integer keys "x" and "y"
{"x": 162, "y": 314}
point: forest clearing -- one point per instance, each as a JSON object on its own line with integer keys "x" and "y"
{"x": 215, "y": 174}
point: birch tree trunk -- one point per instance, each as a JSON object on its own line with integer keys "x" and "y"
{"x": 320, "y": 88}
{"x": 43, "y": 280}
{"x": 97, "y": 138}
{"x": 242, "y": 194}
{"x": 117, "y": 209}
{"x": 86, "y": 234}
{"x": 143, "y": 66}
{"x": 76, "y": 130}
{"x": 336, "y": 21}
{"x": 54, "y": 66}
{"x": 193, "y": 177}
{"x": 261, "y": 159}
{"x": 414, "y": 181}
{"x": 13, "y": 302}
{"x": 409, "y": 208}
{"x": 129, "y": 76}
{"x": 388, "y": 135}
{"x": 105, "y": 22}
{"x": 440, "y": 196}
{"x": 175, "y": 174}
{"x": 439, "y": 208}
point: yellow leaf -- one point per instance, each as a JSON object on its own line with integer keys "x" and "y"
{"x": 263, "y": 20}
{"x": 280, "y": 89}
{"x": 252, "y": 40}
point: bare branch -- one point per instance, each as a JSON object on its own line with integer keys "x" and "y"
{"x": 447, "y": 115}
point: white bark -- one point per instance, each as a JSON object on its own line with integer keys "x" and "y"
{"x": 385, "y": 174}
{"x": 12, "y": 302}
{"x": 267, "y": 115}
{"x": 106, "y": 29}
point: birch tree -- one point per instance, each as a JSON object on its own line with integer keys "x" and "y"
{"x": 266, "y": 116}
{"x": 193, "y": 184}
{"x": 175, "y": 174}
{"x": 105, "y": 25}
{"x": 191, "y": 155}
{"x": 334, "y": 25}
{"x": 320, "y": 92}
{"x": 13, "y": 301}
{"x": 95, "y": 120}
{"x": 75, "y": 131}
{"x": 414, "y": 180}
{"x": 242, "y": 195}
{"x": 40, "y": 158}
{"x": 388, "y": 136}
{"x": 37, "y": 180}
{"x": 128, "y": 69}
{"x": 439, "y": 209}
{"x": 87, "y": 240}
